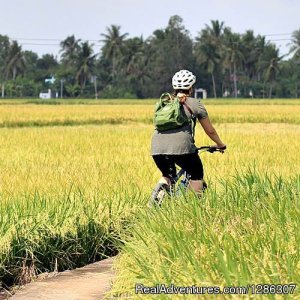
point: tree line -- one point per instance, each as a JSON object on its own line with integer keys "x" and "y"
{"x": 227, "y": 64}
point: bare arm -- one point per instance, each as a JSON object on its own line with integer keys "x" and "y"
{"x": 211, "y": 131}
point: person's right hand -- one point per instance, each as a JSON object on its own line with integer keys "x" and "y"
{"x": 221, "y": 147}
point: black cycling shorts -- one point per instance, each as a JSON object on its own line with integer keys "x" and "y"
{"x": 191, "y": 163}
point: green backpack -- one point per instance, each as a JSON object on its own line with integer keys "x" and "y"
{"x": 169, "y": 113}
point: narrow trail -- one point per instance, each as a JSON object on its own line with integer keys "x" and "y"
{"x": 87, "y": 283}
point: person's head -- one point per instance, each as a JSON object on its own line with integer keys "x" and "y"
{"x": 183, "y": 82}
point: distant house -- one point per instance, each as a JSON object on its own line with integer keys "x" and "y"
{"x": 48, "y": 95}
{"x": 201, "y": 92}
{"x": 45, "y": 95}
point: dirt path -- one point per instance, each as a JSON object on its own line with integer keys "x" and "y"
{"x": 87, "y": 283}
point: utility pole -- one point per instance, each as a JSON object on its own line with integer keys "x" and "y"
{"x": 61, "y": 87}
{"x": 2, "y": 94}
{"x": 95, "y": 85}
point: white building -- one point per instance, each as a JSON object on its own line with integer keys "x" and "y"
{"x": 48, "y": 95}
{"x": 45, "y": 95}
{"x": 202, "y": 92}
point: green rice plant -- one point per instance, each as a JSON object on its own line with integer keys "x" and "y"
{"x": 247, "y": 233}
{"x": 43, "y": 234}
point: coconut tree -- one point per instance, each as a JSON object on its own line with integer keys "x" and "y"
{"x": 69, "y": 49}
{"x": 4, "y": 46}
{"x": 113, "y": 44}
{"x": 208, "y": 49}
{"x": 295, "y": 48}
{"x": 15, "y": 61}
{"x": 85, "y": 63}
{"x": 233, "y": 54}
{"x": 260, "y": 47}
{"x": 215, "y": 30}
{"x": 137, "y": 65}
{"x": 272, "y": 67}
{"x": 250, "y": 53}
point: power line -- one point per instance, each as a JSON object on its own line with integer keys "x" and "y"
{"x": 47, "y": 41}
{"x": 275, "y": 40}
{"x": 38, "y": 44}
{"x": 99, "y": 45}
{"x": 272, "y": 34}
{"x": 32, "y": 39}
{"x": 46, "y": 44}
{"x": 94, "y": 40}
{"x": 54, "y": 40}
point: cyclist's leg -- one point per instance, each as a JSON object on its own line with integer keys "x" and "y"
{"x": 193, "y": 165}
{"x": 168, "y": 170}
{"x": 196, "y": 185}
{"x": 166, "y": 165}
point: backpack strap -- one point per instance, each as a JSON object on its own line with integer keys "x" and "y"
{"x": 182, "y": 100}
{"x": 193, "y": 117}
{"x": 188, "y": 108}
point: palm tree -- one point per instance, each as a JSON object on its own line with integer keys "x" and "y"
{"x": 208, "y": 57}
{"x": 260, "y": 47}
{"x": 137, "y": 70}
{"x": 208, "y": 49}
{"x": 15, "y": 61}
{"x": 70, "y": 47}
{"x": 296, "y": 44}
{"x": 133, "y": 49}
{"x": 85, "y": 63}
{"x": 4, "y": 46}
{"x": 250, "y": 53}
{"x": 233, "y": 55}
{"x": 216, "y": 30}
{"x": 113, "y": 43}
{"x": 295, "y": 61}
{"x": 272, "y": 68}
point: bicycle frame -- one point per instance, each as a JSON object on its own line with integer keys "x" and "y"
{"x": 186, "y": 176}
{"x": 161, "y": 189}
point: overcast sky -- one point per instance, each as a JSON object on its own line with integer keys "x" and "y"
{"x": 31, "y": 21}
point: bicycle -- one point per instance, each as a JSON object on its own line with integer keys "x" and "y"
{"x": 180, "y": 182}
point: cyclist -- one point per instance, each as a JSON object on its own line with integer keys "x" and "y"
{"x": 177, "y": 146}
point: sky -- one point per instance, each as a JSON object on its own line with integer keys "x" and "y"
{"x": 40, "y": 25}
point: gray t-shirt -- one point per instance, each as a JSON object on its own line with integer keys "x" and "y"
{"x": 179, "y": 140}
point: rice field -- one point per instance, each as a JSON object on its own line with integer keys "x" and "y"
{"x": 75, "y": 180}
{"x": 12, "y": 115}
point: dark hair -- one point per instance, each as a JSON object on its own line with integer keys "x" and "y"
{"x": 182, "y": 91}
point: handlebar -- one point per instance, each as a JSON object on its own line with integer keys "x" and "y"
{"x": 212, "y": 149}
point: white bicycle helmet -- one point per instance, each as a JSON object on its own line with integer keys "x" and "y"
{"x": 183, "y": 80}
